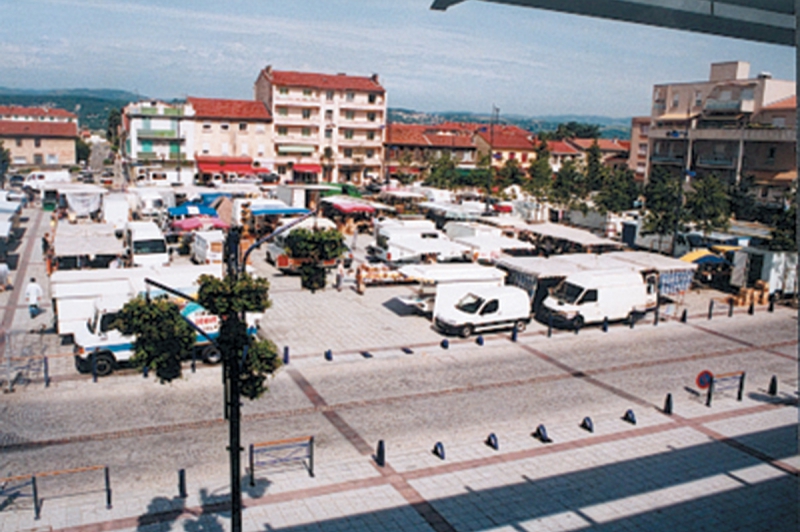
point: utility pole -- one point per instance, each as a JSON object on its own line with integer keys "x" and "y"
{"x": 495, "y": 115}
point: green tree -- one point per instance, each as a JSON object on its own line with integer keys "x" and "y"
{"x": 314, "y": 247}
{"x": 82, "y": 150}
{"x": 742, "y": 202}
{"x": 569, "y": 186}
{"x": 707, "y": 204}
{"x": 443, "y": 172}
{"x": 596, "y": 173}
{"x": 114, "y": 123}
{"x": 663, "y": 198}
{"x": 404, "y": 163}
{"x": 510, "y": 174}
{"x": 571, "y": 130}
{"x": 784, "y": 234}
{"x": 617, "y": 192}
{"x": 541, "y": 173}
{"x": 5, "y": 161}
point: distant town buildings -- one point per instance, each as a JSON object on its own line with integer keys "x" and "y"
{"x": 732, "y": 125}
{"x": 39, "y": 136}
{"x": 639, "y": 154}
{"x": 412, "y": 148}
{"x": 506, "y": 143}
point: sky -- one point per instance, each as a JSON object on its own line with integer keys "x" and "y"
{"x": 471, "y": 57}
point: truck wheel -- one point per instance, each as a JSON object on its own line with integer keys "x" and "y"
{"x": 211, "y": 355}
{"x": 577, "y": 322}
{"x": 465, "y": 331}
{"x": 105, "y": 364}
{"x": 520, "y": 325}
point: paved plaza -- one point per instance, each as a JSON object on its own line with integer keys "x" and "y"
{"x": 732, "y": 465}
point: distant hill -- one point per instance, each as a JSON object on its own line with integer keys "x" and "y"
{"x": 609, "y": 127}
{"x": 91, "y": 105}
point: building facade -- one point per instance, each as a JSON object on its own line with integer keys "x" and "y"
{"x": 411, "y": 148}
{"x": 505, "y": 143}
{"x": 639, "y": 154}
{"x": 38, "y": 136}
{"x": 732, "y": 126}
{"x": 158, "y": 132}
{"x": 328, "y": 128}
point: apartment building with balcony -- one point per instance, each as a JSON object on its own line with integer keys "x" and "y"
{"x": 158, "y": 132}
{"x": 505, "y": 143}
{"x": 231, "y": 133}
{"x": 412, "y": 148}
{"x": 38, "y": 136}
{"x": 327, "y": 128}
{"x": 639, "y": 153}
{"x": 732, "y": 126}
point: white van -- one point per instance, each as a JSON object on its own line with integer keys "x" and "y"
{"x": 483, "y": 308}
{"x": 37, "y": 180}
{"x": 146, "y": 244}
{"x": 207, "y": 247}
{"x": 590, "y": 297}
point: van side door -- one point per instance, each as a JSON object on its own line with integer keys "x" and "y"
{"x": 590, "y": 306}
{"x": 490, "y": 313}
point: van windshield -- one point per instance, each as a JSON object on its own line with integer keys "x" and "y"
{"x": 470, "y": 303}
{"x": 147, "y": 247}
{"x": 567, "y": 292}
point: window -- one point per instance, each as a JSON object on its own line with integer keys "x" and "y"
{"x": 37, "y": 158}
{"x": 370, "y": 154}
{"x": 676, "y": 100}
{"x": 261, "y": 128}
{"x": 351, "y": 96}
{"x": 242, "y": 126}
{"x": 206, "y": 127}
{"x": 243, "y": 149}
{"x": 643, "y": 149}
{"x": 348, "y": 133}
{"x": 370, "y": 135}
{"x": 306, "y": 131}
{"x": 307, "y": 93}
{"x": 19, "y": 143}
{"x": 640, "y": 167}
{"x": 589, "y": 297}
{"x": 329, "y": 133}
{"x": 224, "y": 127}
{"x": 348, "y": 152}
{"x": 281, "y": 169}
{"x": 524, "y": 157}
{"x": 747, "y": 94}
{"x": 52, "y": 158}
{"x": 206, "y": 148}
{"x": 329, "y": 96}
{"x": 306, "y": 114}
{"x": 764, "y": 192}
{"x": 698, "y": 98}
{"x": 491, "y": 307}
{"x": 329, "y": 115}
{"x": 349, "y": 115}
{"x": 283, "y": 131}
{"x": 725, "y": 95}
{"x": 226, "y": 149}
{"x": 779, "y": 121}
{"x": 372, "y": 98}
{"x": 37, "y": 142}
{"x": 512, "y": 155}
{"x": 644, "y": 129}
{"x": 371, "y": 117}
{"x": 771, "y": 151}
{"x": 283, "y": 91}
{"x": 261, "y": 150}
{"x": 283, "y": 111}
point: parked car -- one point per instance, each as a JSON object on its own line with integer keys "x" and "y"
{"x": 16, "y": 181}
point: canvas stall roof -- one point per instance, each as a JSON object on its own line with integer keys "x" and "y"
{"x": 5, "y": 229}
{"x": 10, "y": 206}
{"x": 86, "y": 239}
{"x": 274, "y": 208}
{"x": 651, "y": 261}
{"x": 561, "y": 265}
{"x": 191, "y": 209}
{"x": 454, "y": 211}
{"x": 348, "y": 205}
{"x": 489, "y": 242}
{"x": 424, "y": 246}
{"x": 578, "y": 236}
{"x": 401, "y": 194}
{"x": 435, "y": 273}
{"x": 311, "y": 223}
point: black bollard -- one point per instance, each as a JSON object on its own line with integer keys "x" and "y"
{"x": 145, "y": 371}
{"x": 328, "y": 355}
{"x": 630, "y": 417}
{"x": 514, "y": 333}
{"x": 445, "y": 343}
{"x": 286, "y": 355}
{"x": 541, "y": 434}
{"x": 37, "y": 508}
{"x": 587, "y": 424}
{"x": 632, "y": 319}
{"x": 710, "y": 309}
{"x": 730, "y": 307}
{"x": 740, "y": 393}
{"x": 94, "y": 366}
{"x": 182, "y": 483}
{"x": 657, "y": 315}
{"x": 491, "y": 441}
{"x": 668, "y": 405}
{"x": 107, "y": 474}
{"x": 771, "y": 307}
{"x": 438, "y": 450}
{"x": 684, "y": 315}
{"x": 479, "y": 340}
{"x": 773, "y": 386}
{"x": 752, "y": 308}
{"x": 605, "y": 324}
{"x": 549, "y": 325}
{"x": 46, "y": 370}
{"x": 380, "y": 454}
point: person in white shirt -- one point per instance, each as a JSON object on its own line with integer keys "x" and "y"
{"x": 33, "y": 293}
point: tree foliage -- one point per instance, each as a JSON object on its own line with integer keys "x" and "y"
{"x": 114, "y": 122}
{"x": 784, "y": 235}
{"x": 596, "y": 173}
{"x": 5, "y": 161}
{"x": 571, "y": 130}
{"x": 742, "y": 202}
{"x": 569, "y": 186}
{"x": 707, "y": 204}
{"x": 163, "y": 338}
{"x": 82, "y": 150}
{"x": 618, "y": 191}
{"x": 541, "y": 173}
{"x": 313, "y": 247}
{"x": 443, "y": 172}
{"x": 510, "y": 174}
{"x": 663, "y": 199}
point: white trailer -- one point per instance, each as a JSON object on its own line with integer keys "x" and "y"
{"x": 777, "y": 268}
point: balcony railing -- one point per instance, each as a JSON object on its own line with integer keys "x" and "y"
{"x": 715, "y": 161}
{"x": 667, "y": 159}
{"x": 158, "y": 134}
{"x": 730, "y": 106}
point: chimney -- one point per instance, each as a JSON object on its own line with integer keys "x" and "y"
{"x": 375, "y": 78}
{"x": 268, "y": 70}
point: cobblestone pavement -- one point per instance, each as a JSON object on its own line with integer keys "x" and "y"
{"x": 729, "y": 466}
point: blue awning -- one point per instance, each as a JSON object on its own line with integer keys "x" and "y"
{"x": 192, "y": 209}
{"x": 276, "y": 210}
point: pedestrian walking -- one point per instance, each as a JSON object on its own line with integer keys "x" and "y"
{"x": 33, "y": 294}
{"x": 355, "y": 240}
{"x": 340, "y": 276}
{"x": 4, "y": 274}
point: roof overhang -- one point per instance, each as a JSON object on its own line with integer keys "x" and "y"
{"x": 767, "y": 21}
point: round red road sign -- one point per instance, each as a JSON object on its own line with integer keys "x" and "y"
{"x": 703, "y": 380}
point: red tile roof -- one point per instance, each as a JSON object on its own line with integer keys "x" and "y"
{"x": 787, "y": 104}
{"x": 604, "y": 144}
{"x": 439, "y": 135}
{"x": 230, "y": 109}
{"x": 312, "y": 80}
{"x": 18, "y": 110}
{"x": 560, "y": 147}
{"x": 507, "y": 137}
{"x": 22, "y": 128}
